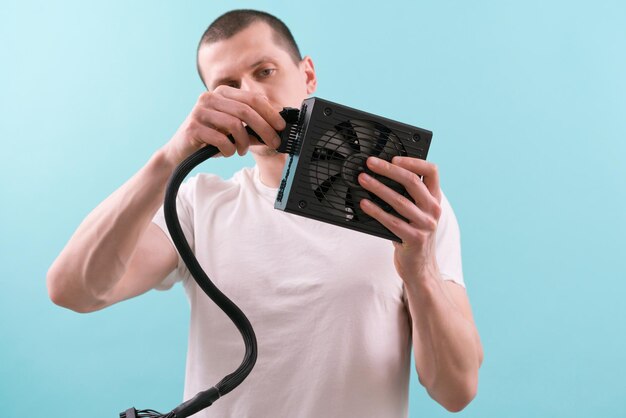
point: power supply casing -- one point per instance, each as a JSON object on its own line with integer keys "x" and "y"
{"x": 332, "y": 143}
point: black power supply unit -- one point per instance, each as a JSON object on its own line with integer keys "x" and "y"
{"x": 331, "y": 145}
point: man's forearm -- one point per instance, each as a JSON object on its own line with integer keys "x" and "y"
{"x": 446, "y": 344}
{"x": 97, "y": 254}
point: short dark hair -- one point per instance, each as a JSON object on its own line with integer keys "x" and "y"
{"x": 231, "y": 23}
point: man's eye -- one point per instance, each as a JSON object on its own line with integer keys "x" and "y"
{"x": 267, "y": 72}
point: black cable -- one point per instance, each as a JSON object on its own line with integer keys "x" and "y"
{"x": 231, "y": 381}
{"x": 206, "y": 398}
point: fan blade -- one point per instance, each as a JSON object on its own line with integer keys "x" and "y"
{"x": 349, "y": 135}
{"x": 367, "y": 137}
{"x": 322, "y": 189}
{"x": 334, "y": 145}
{"x": 392, "y": 145}
{"x": 336, "y": 196}
{"x": 353, "y": 201}
{"x": 332, "y": 192}
{"x": 322, "y": 170}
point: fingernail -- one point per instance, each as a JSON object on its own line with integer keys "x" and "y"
{"x": 374, "y": 161}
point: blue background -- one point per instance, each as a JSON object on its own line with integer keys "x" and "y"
{"x": 527, "y": 101}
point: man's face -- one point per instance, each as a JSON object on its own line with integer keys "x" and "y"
{"x": 251, "y": 60}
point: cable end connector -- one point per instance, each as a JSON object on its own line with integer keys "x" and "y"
{"x": 290, "y": 114}
{"x": 129, "y": 413}
{"x": 289, "y": 138}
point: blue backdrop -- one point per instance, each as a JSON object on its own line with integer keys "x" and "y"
{"x": 527, "y": 101}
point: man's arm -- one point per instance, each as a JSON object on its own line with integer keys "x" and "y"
{"x": 446, "y": 344}
{"x": 117, "y": 253}
{"x": 447, "y": 348}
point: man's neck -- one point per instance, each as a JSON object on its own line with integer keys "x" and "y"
{"x": 270, "y": 167}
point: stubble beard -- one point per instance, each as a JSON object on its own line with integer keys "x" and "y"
{"x": 263, "y": 151}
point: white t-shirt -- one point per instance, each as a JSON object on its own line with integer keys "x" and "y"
{"x": 326, "y": 304}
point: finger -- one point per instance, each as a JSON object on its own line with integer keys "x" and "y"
{"x": 241, "y": 137}
{"x": 241, "y": 110}
{"x": 236, "y": 132}
{"x": 225, "y": 124}
{"x": 251, "y": 117}
{"x": 254, "y": 109}
{"x": 410, "y": 180}
{"x": 210, "y": 136}
{"x": 428, "y": 170}
{"x": 396, "y": 225}
{"x": 258, "y": 102}
{"x": 399, "y": 203}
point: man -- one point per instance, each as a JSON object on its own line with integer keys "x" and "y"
{"x": 336, "y": 312}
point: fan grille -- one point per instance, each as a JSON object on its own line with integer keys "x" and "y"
{"x": 339, "y": 156}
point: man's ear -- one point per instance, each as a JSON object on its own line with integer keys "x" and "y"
{"x": 308, "y": 69}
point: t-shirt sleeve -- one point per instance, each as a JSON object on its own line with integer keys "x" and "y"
{"x": 449, "y": 244}
{"x": 184, "y": 207}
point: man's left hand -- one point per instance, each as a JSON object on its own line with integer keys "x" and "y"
{"x": 414, "y": 258}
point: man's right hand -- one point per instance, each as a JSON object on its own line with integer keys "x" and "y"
{"x": 221, "y": 112}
